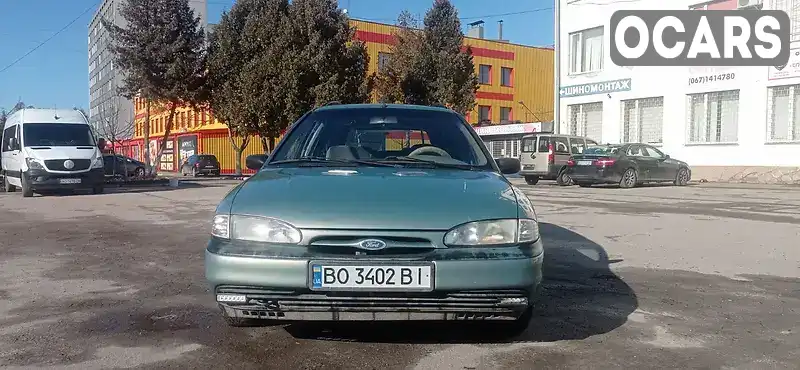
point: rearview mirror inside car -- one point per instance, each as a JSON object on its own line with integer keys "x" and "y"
{"x": 255, "y": 161}
{"x": 508, "y": 166}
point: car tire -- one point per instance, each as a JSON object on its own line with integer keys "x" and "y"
{"x": 194, "y": 172}
{"x": 531, "y": 180}
{"x": 27, "y": 191}
{"x": 7, "y": 187}
{"x": 682, "y": 177}
{"x": 563, "y": 179}
{"x": 629, "y": 179}
{"x": 584, "y": 184}
{"x": 138, "y": 173}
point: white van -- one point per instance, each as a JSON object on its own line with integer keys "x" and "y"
{"x": 50, "y": 149}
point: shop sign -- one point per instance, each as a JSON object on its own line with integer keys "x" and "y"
{"x": 789, "y": 70}
{"x": 593, "y": 88}
{"x": 511, "y": 129}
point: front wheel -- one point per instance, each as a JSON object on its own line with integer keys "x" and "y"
{"x": 27, "y": 191}
{"x": 682, "y": 177}
{"x": 585, "y": 184}
{"x": 139, "y": 173}
{"x": 629, "y": 179}
{"x": 531, "y": 180}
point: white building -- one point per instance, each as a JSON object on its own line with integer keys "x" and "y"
{"x": 737, "y": 123}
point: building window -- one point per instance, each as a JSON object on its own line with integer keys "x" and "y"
{"x": 485, "y": 74}
{"x": 792, "y": 8}
{"x": 506, "y": 76}
{"x": 586, "y": 50}
{"x": 505, "y": 114}
{"x": 383, "y": 60}
{"x": 484, "y": 113}
{"x": 783, "y": 123}
{"x": 643, "y": 120}
{"x": 586, "y": 120}
{"x": 713, "y": 117}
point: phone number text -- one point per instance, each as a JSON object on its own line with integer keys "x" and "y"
{"x": 712, "y": 78}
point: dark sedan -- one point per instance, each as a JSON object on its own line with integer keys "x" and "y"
{"x": 119, "y": 165}
{"x": 627, "y": 165}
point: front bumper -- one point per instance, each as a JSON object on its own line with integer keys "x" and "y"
{"x": 490, "y": 285}
{"x": 43, "y": 180}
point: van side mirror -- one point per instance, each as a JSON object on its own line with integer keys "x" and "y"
{"x": 13, "y": 144}
{"x": 255, "y": 161}
{"x": 666, "y": 156}
{"x": 508, "y": 166}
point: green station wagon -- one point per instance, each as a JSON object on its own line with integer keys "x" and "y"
{"x": 377, "y": 212}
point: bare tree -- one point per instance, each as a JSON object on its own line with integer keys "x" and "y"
{"x": 114, "y": 124}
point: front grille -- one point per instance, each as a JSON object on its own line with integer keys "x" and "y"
{"x": 58, "y": 164}
{"x": 334, "y": 246}
{"x": 458, "y": 301}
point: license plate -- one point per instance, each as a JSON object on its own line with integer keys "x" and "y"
{"x": 584, "y": 163}
{"x": 371, "y": 277}
{"x": 69, "y": 181}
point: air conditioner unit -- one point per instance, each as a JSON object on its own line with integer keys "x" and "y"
{"x": 750, "y": 4}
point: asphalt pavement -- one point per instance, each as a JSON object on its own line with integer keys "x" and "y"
{"x": 648, "y": 278}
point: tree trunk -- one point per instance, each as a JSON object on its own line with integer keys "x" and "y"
{"x": 238, "y": 149}
{"x": 271, "y": 144}
{"x": 264, "y": 144}
{"x": 146, "y": 140}
{"x": 167, "y": 131}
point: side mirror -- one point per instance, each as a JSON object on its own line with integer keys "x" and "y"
{"x": 255, "y": 161}
{"x": 12, "y": 143}
{"x": 666, "y": 156}
{"x": 508, "y": 166}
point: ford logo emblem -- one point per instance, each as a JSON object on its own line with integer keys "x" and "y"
{"x": 372, "y": 244}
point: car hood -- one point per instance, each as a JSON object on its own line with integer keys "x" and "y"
{"x": 375, "y": 198}
{"x": 61, "y": 152}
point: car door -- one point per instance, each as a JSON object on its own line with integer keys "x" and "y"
{"x": 561, "y": 148}
{"x": 647, "y": 166}
{"x": 667, "y": 170}
{"x": 12, "y": 156}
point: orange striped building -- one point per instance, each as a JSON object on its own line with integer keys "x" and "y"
{"x": 516, "y": 84}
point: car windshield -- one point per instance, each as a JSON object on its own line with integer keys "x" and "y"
{"x": 601, "y": 150}
{"x": 57, "y": 134}
{"x": 382, "y": 136}
{"x": 207, "y": 158}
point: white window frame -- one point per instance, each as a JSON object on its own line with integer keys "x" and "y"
{"x": 792, "y": 9}
{"x": 576, "y": 53}
{"x": 689, "y": 117}
{"x": 638, "y": 124}
{"x": 581, "y": 127}
{"x": 793, "y": 113}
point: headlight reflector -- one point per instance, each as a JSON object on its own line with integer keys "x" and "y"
{"x": 220, "y": 227}
{"x": 98, "y": 162}
{"x": 493, "y": 232}
{"x": 266, "y": 230}
{"x": 34, "y": 164}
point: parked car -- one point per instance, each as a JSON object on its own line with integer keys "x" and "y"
{"x": 344, "y": 221}
{"x": 200, "y": 164}
{"x": 627, "y": 165}
{"x": 544, "y": 156}
{"x": 120, "y": 165}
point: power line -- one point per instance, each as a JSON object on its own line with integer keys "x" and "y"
{"x": 49, "y": 38}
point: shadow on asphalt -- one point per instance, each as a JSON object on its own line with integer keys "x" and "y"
{"x": 581, "y": 297}
{"x": 133, "y": 188}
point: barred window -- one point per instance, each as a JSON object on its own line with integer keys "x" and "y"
{"x": 586, "y": 120}
{"x": 783, "y": 116}
{"x": 792, "y": 8}
{"x": 643, "y": 120}
{"x": 713, "y": 117}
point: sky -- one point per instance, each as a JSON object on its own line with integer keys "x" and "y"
{"x": 56, "y": 73}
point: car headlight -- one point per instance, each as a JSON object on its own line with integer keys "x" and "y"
{"x": 256, "y": 229}
{"x": 34, "y": 164}
{"x": 98, "y": 162}
{"x": 493, "y": 232}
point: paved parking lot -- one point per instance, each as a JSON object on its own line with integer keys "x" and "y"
{"x": 646, "y": 278}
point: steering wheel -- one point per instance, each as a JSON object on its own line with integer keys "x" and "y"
{"x": 429, "y": 149}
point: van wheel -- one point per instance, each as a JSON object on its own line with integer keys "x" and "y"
{"x": 27, "y": 192}
{"x": 531, "y": 180}
{"x": 563, "y": 179}
{"x": 7, "y": 187}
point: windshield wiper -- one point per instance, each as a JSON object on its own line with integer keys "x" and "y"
{"x": 412, "y": 160}
{"x": 315, "y": 161}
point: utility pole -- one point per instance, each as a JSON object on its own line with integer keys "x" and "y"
{"x": 557, "y": 67}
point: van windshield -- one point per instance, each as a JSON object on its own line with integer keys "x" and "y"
{"x": 56, "y": 134}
